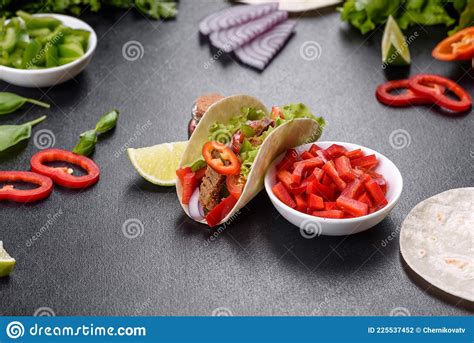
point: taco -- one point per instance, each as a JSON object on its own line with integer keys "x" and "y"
{"x": 226, "y": 158}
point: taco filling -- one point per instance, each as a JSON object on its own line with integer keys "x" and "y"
{"x": 212, "y": 185}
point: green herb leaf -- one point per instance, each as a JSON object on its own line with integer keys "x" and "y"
{"x": 86, "y": 143}
{"x": 247, "y": 130}
{"x": 107, "y": 121}
{"x": 198, "y": 165}
{"x": 10, "y": 102}
{"x": 10, "y": 135}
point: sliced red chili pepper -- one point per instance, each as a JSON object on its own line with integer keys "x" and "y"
{"x": 221, "y": 158}
{"x": 344, "y": 168}
{"x": 419, "y": 85}
{"x": 366, "y": 162}
{"x": 335, "y": 150}
{"x": 353, "y": 189}
{"x": 459, "y": 46}
{"x": 8, "y": 192}
{"x": 61, "y": 175}
{"x": 407, "y": 97}
{"x": 315, "y": 202}
{"x": 365, "y": 198}
{"x": 219, "y": 212}
{"x": 285, "y": 177}
{"x": 235, "y": 185}
{"x": 352, "y": 207}
{"x": 376, "y": 192}
{"x": 334, "y": 214}
{"x": 354, "y": 154}
{"x": 330, "y": 170}
{"x": 281, "y": 193}
{"x": 301, "y": 203}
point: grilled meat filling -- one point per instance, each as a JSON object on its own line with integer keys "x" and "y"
{"x": 210, "y": 189}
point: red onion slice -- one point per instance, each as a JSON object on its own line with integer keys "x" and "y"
{"x": 194, "y": 211}
{"x": 233, "y": 16}
{"x": 236, "y": 36}
{"x": 259, "y": 52}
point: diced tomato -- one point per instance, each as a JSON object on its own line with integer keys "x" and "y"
{"x": 366, "y": 199}
{"x": 329, "y": 205}
{"x": 344, "y": 169}
{"x": 301, "y": 203}
{"x": 189, "y": 185}
{"x": 287, "y": 161}
{"x": 375, "y": 192}
{"x": 330, "y": 169}
{"x": 282, "y": 193}
{"x": 235, "y": 185}
{"x": 200, "y": 174}
{"x": 182, "y": 172}
{"x": 315, "y": 187}
{"x": 313, "y": 149}
{"x": 219, "y": 212}
{"x": 353, "y": 189}
{"x": 276, "y": 112}
{"x": 353, "y": 207}
{"x": 306, "y": 155}
{"x": 315, "y": 202}
{"x": 335, "y": 214}
{"x": 285, "y": 177}
{"x": 335, "y": 150}
{"x": 354, "y": 154}
{"x": 366, "y": 162}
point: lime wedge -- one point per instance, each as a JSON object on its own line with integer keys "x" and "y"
{"x": 394, "y": 47}
{"x": 7, "y": 263}
{"x": 157, "y": 164}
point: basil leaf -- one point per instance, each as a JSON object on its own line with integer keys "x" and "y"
{"x": 10, "y": 135}
{"x": 10, "y": 102}
{"x": 86, "y": 143}
{"x": 107, "y": 121}
{"x": 199, "y": 164}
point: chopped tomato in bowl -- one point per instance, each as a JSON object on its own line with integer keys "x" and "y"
{"x": 334, "y": 187}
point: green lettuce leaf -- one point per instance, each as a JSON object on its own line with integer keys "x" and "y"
{"x": 466, "y": 18}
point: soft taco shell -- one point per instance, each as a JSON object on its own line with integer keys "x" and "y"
{"x": 288, "y": 135}
{"x": 436, "y": 241}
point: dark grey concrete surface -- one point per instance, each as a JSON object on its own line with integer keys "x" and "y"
{"x": 81, "y": 262}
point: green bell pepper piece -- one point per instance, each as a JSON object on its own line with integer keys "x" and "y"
{"x": 66, "y": 60}
{"x": 71, "y": 50}
{"x": 34, "y": 22}
{"x": 31, "y": 55}
{"x": 9, "y": 40}
{"x": 52, "y": 56}
{"x": 39, "y": 32}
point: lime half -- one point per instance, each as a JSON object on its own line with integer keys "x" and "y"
{"x": 158, "y": 163}
{"x": 394, "y": 46}
{"x": 7, "y": 263}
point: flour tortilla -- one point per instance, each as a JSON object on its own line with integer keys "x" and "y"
{"x": 437, "y": 241}
{"x": 288, "y": 135}
{"x": 296, "y": 5}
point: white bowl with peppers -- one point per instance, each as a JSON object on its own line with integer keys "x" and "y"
{"x": 333, "y": 188}
{"x": 37, "y": 73}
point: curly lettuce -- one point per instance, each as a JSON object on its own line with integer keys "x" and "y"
{"x": 366, "y": 15}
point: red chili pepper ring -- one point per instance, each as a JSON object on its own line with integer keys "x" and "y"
{"x": 420, "y": 85}
{"x": 8, "y": 192}
{"x": 61, "y": 175}
{"x": 408, "y": 97}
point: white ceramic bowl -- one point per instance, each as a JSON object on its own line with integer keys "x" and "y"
{"x": 311, "y": 225}
{"x": 52, "y": 76}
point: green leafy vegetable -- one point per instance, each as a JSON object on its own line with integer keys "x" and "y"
{"x": 156, "y": 9}
{"x": 199, "y": 164}
{"x": 10, "y": 135}
{"x": 366, "y": 15}
{"x": 10, "y": 102}
{"x": 248, "y": 151}
{"x": 88, "y": 139}
{"x": 466, "y": 11}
